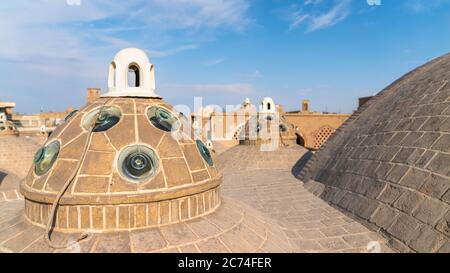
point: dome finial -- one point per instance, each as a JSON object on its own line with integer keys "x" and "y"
{"x": 131, "y": 75}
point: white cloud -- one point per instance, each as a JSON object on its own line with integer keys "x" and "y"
{"x": 197, "y": 13}
{"x": 49, "y": 42}
{"x": 318, "y": 14}
{"x": 42, "y": 28}
{"x": 297, "y": 18}
{"x": 338, "y": 13}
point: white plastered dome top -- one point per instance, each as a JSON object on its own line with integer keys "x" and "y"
{"x": 267, "y": 105}
{"x": 131, "y": 62}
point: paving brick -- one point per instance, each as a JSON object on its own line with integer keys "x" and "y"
{"x": 444, "y": 224}
{"x": 390, "y": 194}
{"x": 427, "y": 240}
{"x": 408, "y": 201}
{"x": 333, "y": 231}
{"x": 384, "y": 217}
{"x": 403, "y": 155}
{"x": 440, "y": 164}
{"x": 403, "y": 227}
{"x": 396, "y": 173}
{"x": 430, "y": 211}
{"x": 332, "y": 244}
{"x": 424, "y": 159}
{"x": 443, "y": 143}
{"x": 445, "y": 248}
{"x": 415, "y": 178}
{"x": 435, "y": 186}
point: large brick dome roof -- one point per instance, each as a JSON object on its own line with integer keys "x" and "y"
{"x": 107, "y": 172}
{"x": 389, "y": 164}
{"x": 123, "y": 159}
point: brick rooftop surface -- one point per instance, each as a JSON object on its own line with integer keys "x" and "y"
{"x": 262, "y": 211}
{"x": 309, "y": 222}
{"x": 231, "y": 228}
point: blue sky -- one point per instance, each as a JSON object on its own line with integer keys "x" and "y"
{"x": 331, "y": 52}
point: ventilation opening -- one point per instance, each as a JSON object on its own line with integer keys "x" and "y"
{"x": 112, "y": 79}
{"x": 322, "y": 136}
{"x": 133, "y": 76}
{"x": 300, "y": 141}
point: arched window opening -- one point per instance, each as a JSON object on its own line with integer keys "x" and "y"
{"x": 112, "y": 79}
{"x": 268, "y": 106}
{"x": 300, "y": 140}
{"x": 133, "y": 76}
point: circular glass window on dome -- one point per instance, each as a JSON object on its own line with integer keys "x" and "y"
{"x": 70, "y": 115}
{"x": 45, "y": 157}
{"x": 138, "y": 163}
{"x": 163, "y": 119}
{"x": 204, "y": 151}
{"x": 102, "y": 119}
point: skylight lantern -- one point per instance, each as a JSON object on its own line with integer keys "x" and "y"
{"x": 131, "y": 75}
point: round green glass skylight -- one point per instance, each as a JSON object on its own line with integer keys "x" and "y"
{"x": 163, "y": 119}
{"x": 204, "y": 151}
{"x": 45, "y": 158}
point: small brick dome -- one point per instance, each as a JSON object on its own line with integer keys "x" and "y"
{"x": 132, "y": 162}
{"x": 7, "y": 128}
{"x": 269, "y": 129}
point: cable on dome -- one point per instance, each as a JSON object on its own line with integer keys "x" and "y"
{"x": 51, "y": 219}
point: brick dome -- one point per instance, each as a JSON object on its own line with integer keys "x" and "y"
{"x": 389, "y": 164}
{"x": 128, "y": 158}
{"x": 7, "y": 128}
{"x": 269, "y": 129}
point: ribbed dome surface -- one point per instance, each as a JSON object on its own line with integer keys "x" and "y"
{"x": 267, "y": 129}
{"x": 123, "y": 153}
{"x": 389, "y": 164}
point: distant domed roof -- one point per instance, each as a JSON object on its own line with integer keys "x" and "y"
{"x": 7, "y": 128}
{"x": 267, "y": 129}
{"x": 389, "y": 164}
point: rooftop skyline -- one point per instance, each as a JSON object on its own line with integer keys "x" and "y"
{"x": 330, "y": 52}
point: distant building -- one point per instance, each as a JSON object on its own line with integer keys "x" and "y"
{"x": 312, "y": 129}
{"x": 40, "y": 123}
{"x": 6, "y": 126}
